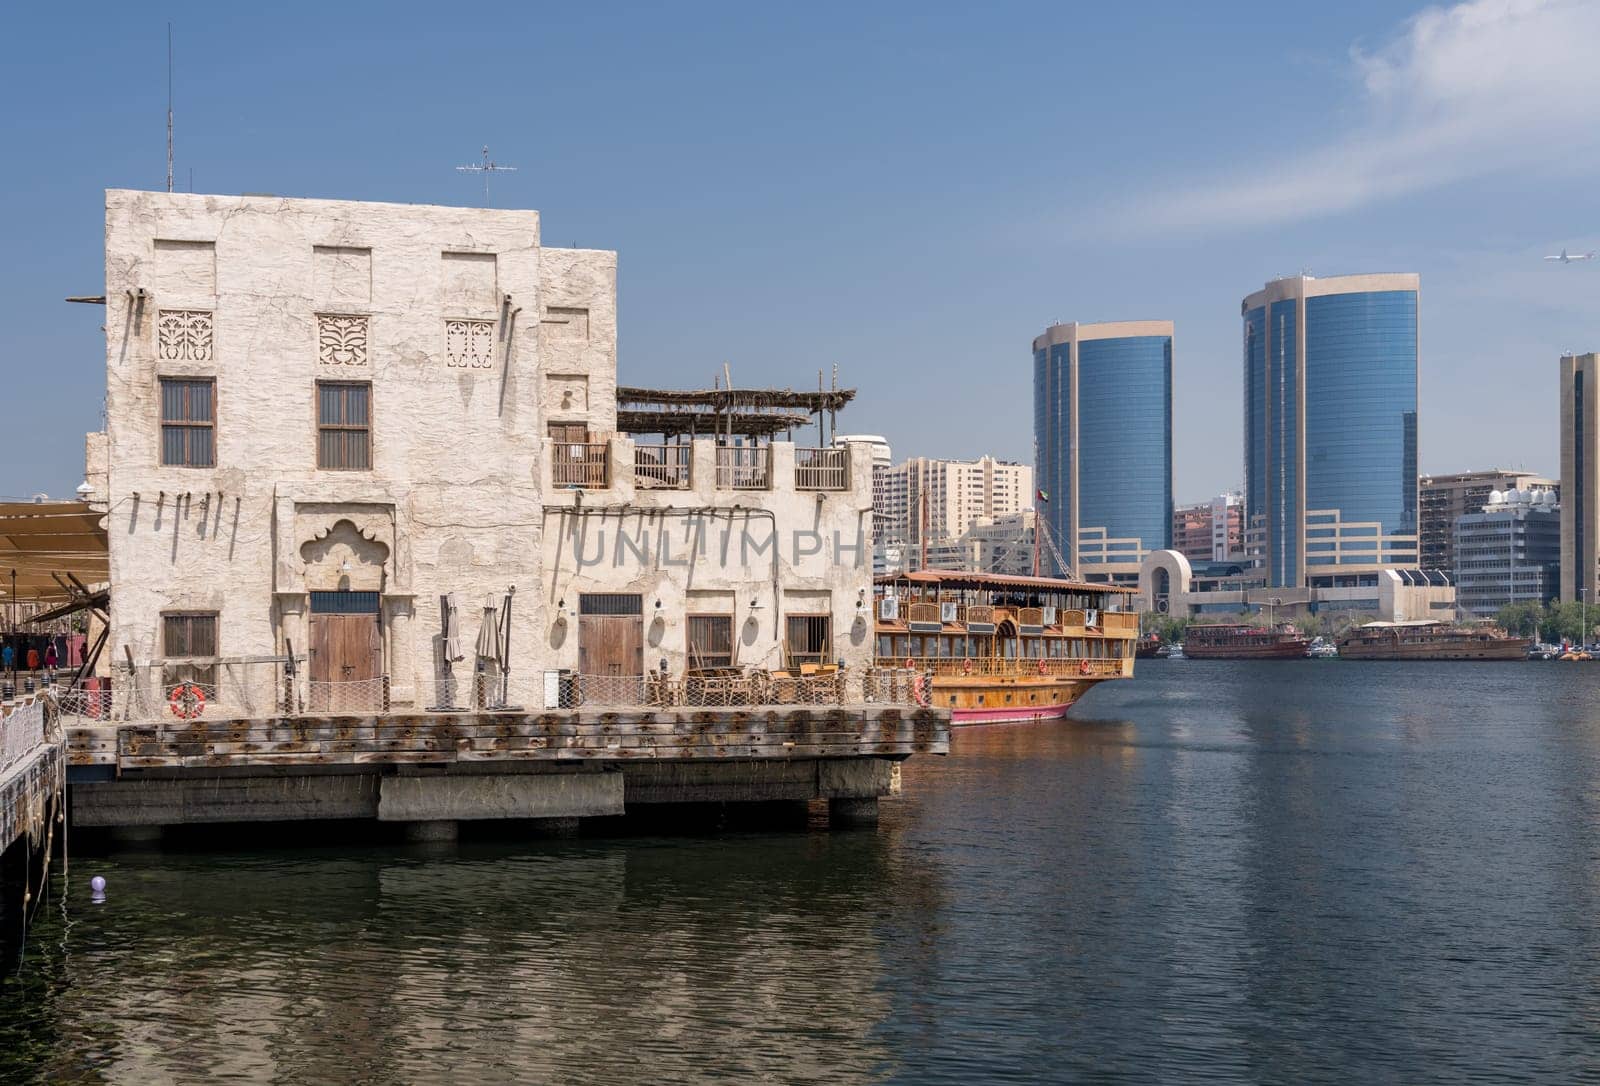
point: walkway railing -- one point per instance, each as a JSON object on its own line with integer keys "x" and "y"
{"x": 581, "y": 464}
{"x": 822, "y": 469}
{"x": 744, "y": 467}
{"x": 21, "y": 730}
{"x": 662, "y": 467}
{"x": 142, "y": 700}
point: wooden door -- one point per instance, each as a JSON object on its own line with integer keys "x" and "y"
{"x": 346, "y": 663}
{"x": 611, "y": 634}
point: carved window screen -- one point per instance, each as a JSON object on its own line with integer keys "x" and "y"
{"x": 344, "y": 425}
{"x": 188, "y": 422}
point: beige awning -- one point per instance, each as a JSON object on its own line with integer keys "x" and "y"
{"x": 48, "y": 543}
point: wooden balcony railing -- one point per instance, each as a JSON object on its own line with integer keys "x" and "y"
{"x": 980, "y": 613}
{"x": 744, "y": 467}
{"x": 1119, "y": 620}
{"x": 923, "y": 614}
{"x": 662, "y": 467}
{"x": 822, "y": 469}
{"x": 1030, "y": 616}
{"x": 586, "y": 465}
{"x": 1023, "y": 668}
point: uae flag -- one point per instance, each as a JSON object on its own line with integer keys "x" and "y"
{"x": 1042, "y": 495}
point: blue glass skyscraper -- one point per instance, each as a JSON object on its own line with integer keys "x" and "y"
{"x": 1102, "y": 402}
{"x": 1330, "y": 408}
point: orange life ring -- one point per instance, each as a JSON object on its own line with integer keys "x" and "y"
{"x": 966, "y": 667}
{"x": 1083, "y": 667}
{"x": 1042, "y": 668}
{"x": 186, "y": 701}
{"x": 910, "y": 663}
{"x": 919, "y": 690}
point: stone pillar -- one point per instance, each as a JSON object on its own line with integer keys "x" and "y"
{"x": 441, "y": 831}
{"x": 399, "y": 614}
{"x": 844, "y": 812}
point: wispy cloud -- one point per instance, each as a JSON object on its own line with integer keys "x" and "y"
{"x": 1457, "y": 92}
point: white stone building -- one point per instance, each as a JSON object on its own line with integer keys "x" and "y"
{"x": 322, "y": 416}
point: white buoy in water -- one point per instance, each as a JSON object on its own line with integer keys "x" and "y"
{"x": 97, "y": 890}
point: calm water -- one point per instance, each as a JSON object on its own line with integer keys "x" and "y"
{"x": 1224, "y": 872}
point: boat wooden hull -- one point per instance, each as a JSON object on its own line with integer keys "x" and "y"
{"x": 998, "y": 701}
{"x": 1291, "y": 649}
{"x": 1510, "y": 648}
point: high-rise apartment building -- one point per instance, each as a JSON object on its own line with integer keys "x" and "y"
{"x": 882, "y": 461}
{"x": 1445, "y": 499}
{"x": 948, "y": 496}
{"x": 1102, "y": 408}
{"x": 1580, "y": 474}
{"x": 1210, "y": 531}
{"x": 1330, "y": 407}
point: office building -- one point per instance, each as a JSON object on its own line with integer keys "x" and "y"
{"x": 1580, "y": 472}
{"x": 1508, "y": 552}
{"x": 1330, "y": 379}
{"x": 1445, "y": 499}
{"x": 1102, "y": 404}
{"x": 1210, "y": 531}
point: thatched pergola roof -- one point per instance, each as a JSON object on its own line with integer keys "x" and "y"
{"x": 758, "y": 412}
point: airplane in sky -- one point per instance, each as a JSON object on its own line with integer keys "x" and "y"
{"x": 1569, "y": 258}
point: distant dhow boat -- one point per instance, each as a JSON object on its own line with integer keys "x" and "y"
{"x": 1429, "y": 639}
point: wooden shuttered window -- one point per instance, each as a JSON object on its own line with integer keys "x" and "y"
{"x": 189, "y": 634}
{"x": 710, "y": 641}
{"x": 188, "y": 422}
{"x": 809, "y": 639}
{"x": 344, "y": 425}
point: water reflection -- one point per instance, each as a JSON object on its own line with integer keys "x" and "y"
{"x": 1283, "y": 872}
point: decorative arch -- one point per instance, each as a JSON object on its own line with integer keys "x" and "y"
{"x": 342, "y": 557}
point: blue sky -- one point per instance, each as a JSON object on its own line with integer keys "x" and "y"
{"x": 910, "y": 192}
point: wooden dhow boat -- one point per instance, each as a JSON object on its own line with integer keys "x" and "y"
{"x": 1004, "y": 649}
{"x": 1429, "y": 640}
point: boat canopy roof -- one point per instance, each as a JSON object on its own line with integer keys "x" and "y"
{"x": 962, "y": 580}
{"x": 1396, "y": 625}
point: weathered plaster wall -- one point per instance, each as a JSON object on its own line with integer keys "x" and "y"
{"x": 712, "y": 551}
{"x": 578, "y": 337}
{"x": 455, "y": 442}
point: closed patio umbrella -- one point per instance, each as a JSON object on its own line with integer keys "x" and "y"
{"x": 489, "y": 638}
{"x": 451, "y": 607}
{"x": 450, "y": 647}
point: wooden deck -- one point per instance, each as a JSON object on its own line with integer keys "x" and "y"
{"x": 783, "y": 733}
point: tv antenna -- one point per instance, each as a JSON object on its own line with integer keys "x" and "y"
{"x": 486, "y": 167}
{"x": 169, "y": 107}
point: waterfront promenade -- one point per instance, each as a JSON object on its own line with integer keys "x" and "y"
{"x": 431, "y": 770}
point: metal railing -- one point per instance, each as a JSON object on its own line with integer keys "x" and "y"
{"x": 822, "y": 469}
{"x": 744, "y": 467}
{"x": 662, "y": 467}
{"x": 581, "y": 464}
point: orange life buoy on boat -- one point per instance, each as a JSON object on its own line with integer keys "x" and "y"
{"x": 966, "y": 667}
{"x": 1042, "y": 668}
{"x": 186, "y": 701}
{"x": 910, "y": 663}
{"x": 1083, "y": 667}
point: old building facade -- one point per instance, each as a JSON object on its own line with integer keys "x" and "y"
{"x": 323, "y": 416}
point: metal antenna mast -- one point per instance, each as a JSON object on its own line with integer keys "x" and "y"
{"x": 486, "y": 167}
{"x": 169, "y": 107}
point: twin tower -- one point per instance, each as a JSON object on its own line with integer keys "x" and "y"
{"x": 1330, "y": 433}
